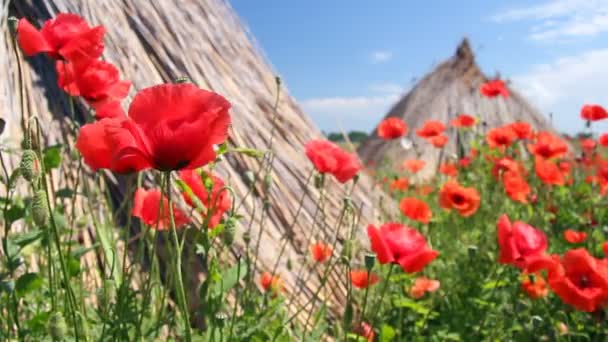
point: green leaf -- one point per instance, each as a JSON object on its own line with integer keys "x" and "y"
{"x": 387, "y": 333}
{"x": 52, "y": 157}
{"x": 64, "y": 193}
{"x": 25, "y": 239}
{"x": 15, "y": 212}
{"x": 410, "y": 304}
{"x": 73, "y": 266}
{"x": 493, "y": 284}
{"x": 230, "y": 278}
{"x": 81, "y": 250}
{"x": 27, "y": 283}
{"x": 251, "y": 152}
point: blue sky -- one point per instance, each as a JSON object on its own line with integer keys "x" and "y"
{"x": 347, "y": 62}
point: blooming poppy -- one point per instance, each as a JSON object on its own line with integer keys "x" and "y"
{"x": 146, "y": 206}
{"x": 519, "y": 243}
{"x": 522, "y": 130}
{"x": 424, "y": 189}
{"x": 109, "y": 109}
{"x": 365, "y": 330}
{"x": 464, "y": 161}
{"x": 217, "y": 201}
{"x": 455, "y": 196}
{"x": 494, "y": 88}
{"x": 431, "y": 128}
{"x": 272, "y": 283}
{"x": 548, "y": 172}
{"x": 507, "y": 165}
{"x": 500, "y": 137}
{"x": 396, "y": 243}
{"x": 574, "y": 236}
{"x": 580, "y": 280}
{"x": 439, "y": 141}
{"x": 603, "y": 139}
{"x": 399, "y": 184}
{"x": 362, "y": 279}
{"x": 548, "y": 146}
{"x": 535, "y": 286}
{"x": 391, "y": 128}
{"x": 98, "y": 82}
{"x": 328, "y": 157}
{"x": 463, "y": 121}
{"x": 169, "y": 127}
{"x": 448, "y": 169}
{"x": 423, "y": 285}
{"x": 413, "y": 165}
{"x": 320, "y": 251}
{"x": 66, "y": 36}
{"x": 593, "y": 112}
{"x": 516, "y": 187}
{"x": 415, "y": 209}
{"x": 587, "y": 145}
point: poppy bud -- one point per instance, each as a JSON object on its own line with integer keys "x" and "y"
{"x": 266, "y": 205}
{"x": 370, "y": 261}
{"x": 277, "y": 80}
{"x": 74, "y": 155}
{"x": 348, "y": 202}
{"x": 268, "y": 180}
{"x": 229, "y": 231}
{"x": 472, "y": 251}
{"x": 12, "y": 25}
{"x": 40, "y": 209}
{"x": 347, "y": 249}
{"x": 249, "y": 178}
{"x": 81, "y": 222}
{"x": 319, "y": 181}
{"x": 289, "y": 265}
{"x": 247, "y": 237}
{"x": 220, "y": 319}
{"x": 56, "y": 326}
{"x": 30, "y": 166}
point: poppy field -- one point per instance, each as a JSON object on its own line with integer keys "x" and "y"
{"x": 507, "y": 241}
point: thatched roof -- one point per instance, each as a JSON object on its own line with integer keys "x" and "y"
{"x": 449, "y": 90}
{"x": 153, "y": 42}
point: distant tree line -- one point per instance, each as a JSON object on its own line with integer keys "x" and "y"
{"x": 353, "y": 136}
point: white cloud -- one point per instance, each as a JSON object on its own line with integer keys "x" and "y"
{"x": 381, "y": 56}
{"x": 559, "y": 19}
{"x": 391, "y": 88}
{"x": 357, "y": 103}
{"x": 565, "y": 85}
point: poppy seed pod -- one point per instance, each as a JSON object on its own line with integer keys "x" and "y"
{"x": 229, "y": 231}
{"x": 268, "y": 180}
{"x": 30, "y": 166}
{"x": 249, "y": 178}
{"x": 247, "y": 237}
{"x": 319, "y": 181}
{"x": 12, "y": 25}
{"x": 56, "y": 326}
{"x": 370, "y": 261}
{"x": 40, "y": 209}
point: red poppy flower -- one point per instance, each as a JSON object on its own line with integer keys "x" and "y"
{"x": 218, "y": 201}
{"x": 519, "y": 243}
{"x": 271, "y": 283}
{"x": 464, "y": 161}
{"x": 574, "y": 236}
{"x": 548, "y": 146}
{"x": 98, "y": 82}
{"x": 328, "y": 157}
{"x": 365, "y": 330}
{"x": 580, "y": 280}
{"x": 605, "y": 249}
{"x": 516, "y": 187}
{"x": 494, "y": 88}
{"x": 396, "y": 243}
{"x": 413, "y": 165}
{"x": 593, "y": 112}
{"x": 536, "y": 287}
{"x": 603, "y": 139}
{"x": 66, "y": 36}
{"x": 391, "y": 128}
{"x": 416, "y": 209}
{"x": 169, "y": 127}
{"x": 320, "y": 251}
{"x": 399, "y": 184}
{"x": 439, "y": 141}
{"x": 463, "y": 121}
{"x": 424, "y": 189}
{"x": 422, "y": 285}
{"x": 587, "y": 145}
{"x": 500, "y": 137}
{"x": 110, "y": 109}
{"x": 448, "y": 169}
{"x": 146, "y": 206}
{"x": 431, "y": 128}
{"x": 361, "y": 280}
{"x": 507, "y": 165}
{"x": 454, "y": 196}
{"x": 548, "y": 172}
{"x": 523, "y": 130}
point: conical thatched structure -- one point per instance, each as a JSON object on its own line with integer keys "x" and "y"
{"x": 157, "y": 41}
{"x": 449, "y": 90}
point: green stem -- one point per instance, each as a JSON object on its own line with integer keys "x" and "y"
{"x": 382, "y": 293}
{"x": 179, "y": 285}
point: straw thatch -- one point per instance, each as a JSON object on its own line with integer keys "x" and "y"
{"x": 157, "y": 41}
{"x": 449, "y": 90}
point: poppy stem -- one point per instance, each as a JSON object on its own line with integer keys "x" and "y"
{"x": 179, "y": 284}
{"x": 382, "y": 293}
{"x": 369, "y": 273}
